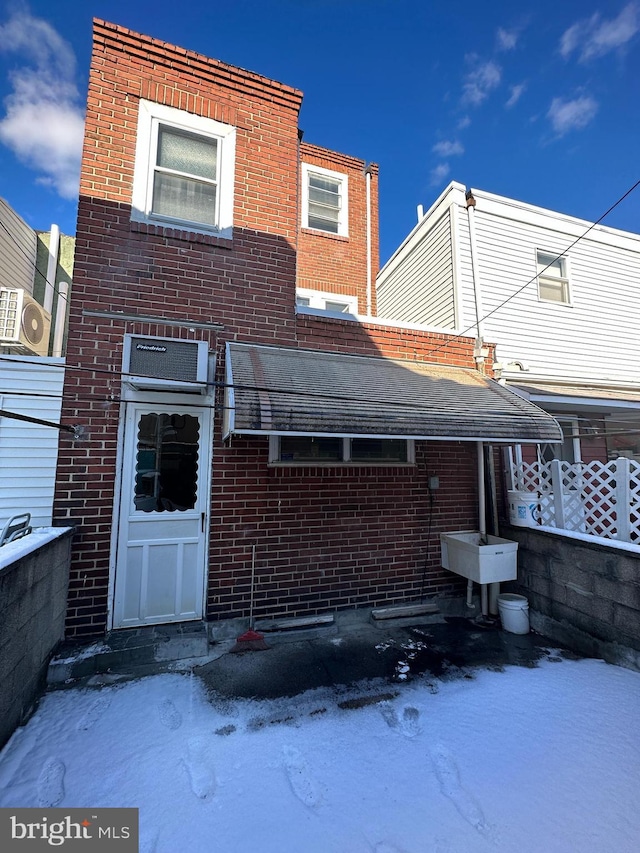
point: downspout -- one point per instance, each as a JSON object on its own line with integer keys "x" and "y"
{"x": 478, "y": 351}
{"x": 61, "y": 317}
{"x": 52, "y": 268}
{"x": 482, "y": 521}
{"x": 367, "y": 173}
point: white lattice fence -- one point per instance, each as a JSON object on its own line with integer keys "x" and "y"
{"x": 598, "y": 498}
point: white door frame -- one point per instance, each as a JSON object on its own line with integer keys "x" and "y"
{"x": 162, "y": 401}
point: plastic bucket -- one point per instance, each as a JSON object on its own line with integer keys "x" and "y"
{"x": 523, "y": 508}
{"x": 514, "y": 613}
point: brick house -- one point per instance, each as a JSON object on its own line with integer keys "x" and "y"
{"x": 241, "y": 402}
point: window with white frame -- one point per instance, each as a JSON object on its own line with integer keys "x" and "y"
{"x": 323, "y": 301}
{"x": 325, "y": 200}
{"x": 553, "y": 278}
{"x": 184, "y": 170}
{"x": 327, "y": 450}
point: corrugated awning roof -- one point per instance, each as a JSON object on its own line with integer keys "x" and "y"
{"x": 272, "y": 390}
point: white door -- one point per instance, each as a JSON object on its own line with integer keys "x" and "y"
{"x": 161, "y": 552}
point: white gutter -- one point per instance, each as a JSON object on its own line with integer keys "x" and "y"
{"x": 52, "y": 268}
{"x": 61, "y": 317}
{"x": 367, "y": 173}
{"x": 475, "y": 274}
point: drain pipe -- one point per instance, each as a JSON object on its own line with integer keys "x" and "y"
{"x": 478, "y": 351}
{"x": 482, "y": 522}
{"x": 52, "y": 267}
{"x": 367, "y": 173}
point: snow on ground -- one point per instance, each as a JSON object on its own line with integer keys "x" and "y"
{"x": 543, "y": 759}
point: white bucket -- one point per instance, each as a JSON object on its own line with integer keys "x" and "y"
{"x": 514, "y": 613}
{"x": 523, "y": 508}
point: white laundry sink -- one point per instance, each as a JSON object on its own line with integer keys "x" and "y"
{"x": 494, "y": 562}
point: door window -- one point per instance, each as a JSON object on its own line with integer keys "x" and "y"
{"x": 166, "y": 473}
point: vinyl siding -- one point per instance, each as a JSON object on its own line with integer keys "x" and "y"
{"x": 17, "y": 250}
{"x": 28, "y": 452}
{"x": 594, "y": 337}
{"x": 422, "y": 289}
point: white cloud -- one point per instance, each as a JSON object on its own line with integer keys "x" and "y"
{"x": 465, "y": 121}
{"x": 571, "y": 115}
{"x": 480, "y": 82}
{"x": 594, "y": 37}
{"x": 516, "y": 93}
{"x": 448, "y": 149}
{"x": 439, "y": 174}
{"x": 507, "y": 39}
{"x": 43, "y": 124}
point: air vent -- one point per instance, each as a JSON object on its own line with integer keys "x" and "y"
{"x": 24, "y": 324}
{"x": 165, "y": 364}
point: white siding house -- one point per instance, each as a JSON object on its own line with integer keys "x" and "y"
{"x": 558, "y": 296}
{"x": 28, "y": 451}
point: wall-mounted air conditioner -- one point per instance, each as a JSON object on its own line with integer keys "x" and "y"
{"x": 165, "y": 364}
{"x": 24, "y": 324}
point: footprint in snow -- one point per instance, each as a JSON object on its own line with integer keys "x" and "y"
{"x": 448, "y": 777}
{"x": 408, "y": 724}
{"x": 51, "y": 783}
{"x": 169, "y": 715}
{"x": 200, "y": 767}
{"x": 302, "y": 783}
{"x": 93, "y": 713}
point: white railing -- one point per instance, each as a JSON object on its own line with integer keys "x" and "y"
{"x": 597, "y": 498}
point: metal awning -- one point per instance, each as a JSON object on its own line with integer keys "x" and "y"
{"x": 278, "y": 391}
{"x": 572, "y": 396}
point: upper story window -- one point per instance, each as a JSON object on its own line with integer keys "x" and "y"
{"x": 184, "y": 171}
{"x": 553, "y": 278}
{"x": 325, "y": 204}
{"x": 334, "y": 302}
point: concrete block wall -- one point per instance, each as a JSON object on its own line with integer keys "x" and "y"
{"x": 583, "y": 594}
{"x": 33, "y": 602}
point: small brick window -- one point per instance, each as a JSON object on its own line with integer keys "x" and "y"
{"x": 325, "y": 200}
{"x": 327, "y": 450}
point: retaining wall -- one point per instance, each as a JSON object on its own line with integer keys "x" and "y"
{"x": 34, "y": 577}
{"x": 584, "y": 594}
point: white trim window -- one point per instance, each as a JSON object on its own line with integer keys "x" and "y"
{"x": 553, "y": 278}
{"x": 325, "y": 200}
{"x": 336, "y": 303}
{"x": 184, "y": 171}
{"x": 329, "y": 450}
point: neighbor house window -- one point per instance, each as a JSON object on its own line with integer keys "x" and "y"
{"x": 184, "y": 170}
{"x": 553, "y": 279}
{"x": 335, "y": 302}
{"x": 321, "y": 450}
{"x": 325, "y": 200}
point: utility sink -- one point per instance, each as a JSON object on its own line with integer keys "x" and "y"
{"x": 494, "y": 562}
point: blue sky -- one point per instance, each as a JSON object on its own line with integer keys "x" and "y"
{"x": 538, "y": 101}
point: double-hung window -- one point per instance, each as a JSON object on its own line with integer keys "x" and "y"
{"x": 325, "y": 200}
{"x": 553, "y": 278}
{"x": 184, "y": 171}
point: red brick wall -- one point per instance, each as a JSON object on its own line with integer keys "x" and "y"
{"x": 339, "y": 264}
{"x": 330, "y": 538}
{"x": 247, "y": 285}
{"x": 325, "y": 538}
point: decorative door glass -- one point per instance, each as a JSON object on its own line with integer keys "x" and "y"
{"x": 166, "y": 474}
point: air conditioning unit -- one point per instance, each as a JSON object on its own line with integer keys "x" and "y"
{"x": 24, "y": 324}
{"x": 165, "y": 364}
